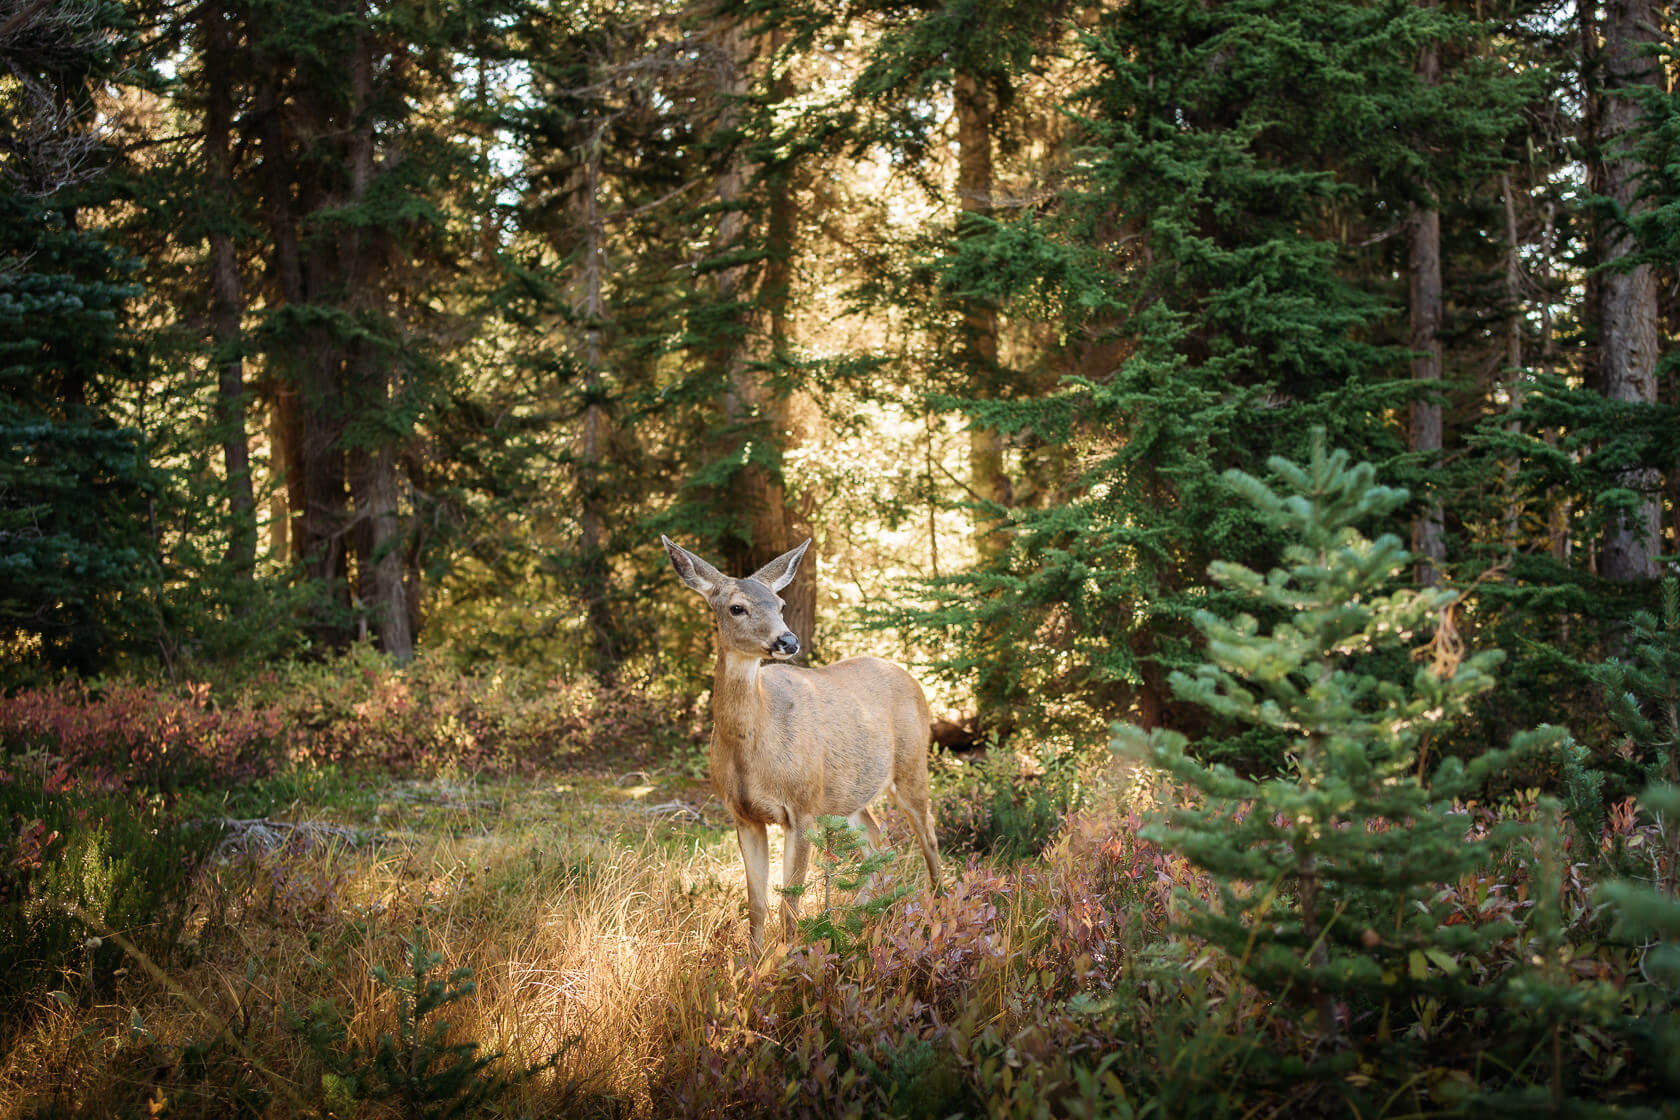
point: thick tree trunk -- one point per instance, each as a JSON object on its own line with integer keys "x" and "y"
{"x": 987, "y": 476}
{"x": 286, "y": 276}
{"x": 225, "y": 294}
{"x": 380, "y": 553}
{"x": 1628, "y": 297}
{"x": 753, "y": 409}
{"x": 1424, "y": 431}
{"x": 308, "y": 362}
{"x": 364, "y": 261}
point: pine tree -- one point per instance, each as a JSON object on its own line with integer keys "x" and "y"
{"x": 1330, "y": 873}
{"x": 1210, "y": 271}
{"x": 738, "y": 358}
{"x": 74, "y": 473}
{"x": 418, "y": 1071}
{"x": 1641, "y": 689}
{"x": 978, "y": 57}
{"x": 365, "y": 170}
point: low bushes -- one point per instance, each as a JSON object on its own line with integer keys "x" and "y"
{"x": 122, "y": 734}
{"x": 1004, "y": 805}
{"x": 357, "y": 710}
{"x": 77, "y": 866}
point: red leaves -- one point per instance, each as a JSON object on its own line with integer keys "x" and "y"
{"x": 357, "y": 710}
{"x": 124, "y": 735}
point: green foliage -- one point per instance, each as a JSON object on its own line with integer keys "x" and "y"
{"x": 1330, "y": 876}
{"x": 74, "y": 477}
{"x": 77, "y": 863}
{"x": 417, "y": 1070}
{"x": 842, "y": 860}
{"x": 1649, "y": 913}
{"x": 997, "y": 806}
{"x": 1641, "y": 687}
{"x": 1208, "y": 313}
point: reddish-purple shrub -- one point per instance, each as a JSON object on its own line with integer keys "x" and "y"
{"x": 123, "y": 734}
{"x": 358, "y": 710}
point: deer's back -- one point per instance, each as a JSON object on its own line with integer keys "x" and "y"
{"x": 864, "y": 719}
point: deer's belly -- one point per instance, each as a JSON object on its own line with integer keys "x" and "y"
{"x": 838, "y": 786}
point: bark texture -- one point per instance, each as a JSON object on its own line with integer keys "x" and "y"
{"x": 987, "y": 475}
{"x": 1627, "y": 350}
{"x": 1424, "y": 432}
{"x": 226, "y": 297}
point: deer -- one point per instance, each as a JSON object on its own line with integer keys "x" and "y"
{"x": 790, "y": 744}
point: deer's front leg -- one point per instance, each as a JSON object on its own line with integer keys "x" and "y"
{"x": 796, "y": 856}
{"x": 755, "y": 854}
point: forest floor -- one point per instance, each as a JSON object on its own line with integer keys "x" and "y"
{"x": 599, "y": 908}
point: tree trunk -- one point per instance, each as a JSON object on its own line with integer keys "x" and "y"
{"x": 225, "y": 294}
{"x": 1628, "y": 297}
{"x": 309, "y": 360}
{"x": 286, "y": 272}
{"x": 593, "y": 438}
{"x": 987, "y": 476}
{"x": 380, "y": 552}
{"x": 753, "y": 409}
{"x": 1424, "y": 432}
{"x": 1513, "y": 361}
{"x": 364, "y": 261}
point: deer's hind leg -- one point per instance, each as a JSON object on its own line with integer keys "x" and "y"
{"x": 918, "y": 806}
{"x": 796, "y": 856}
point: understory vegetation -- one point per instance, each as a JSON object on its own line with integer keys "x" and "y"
{"x": 423, "y": 893}
{"x": 1255, "y": 425}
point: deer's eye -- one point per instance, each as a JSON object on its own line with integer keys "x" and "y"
{"x": 736, "y": 608}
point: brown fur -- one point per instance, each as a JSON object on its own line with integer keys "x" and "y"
{"x": 792, "y": 744}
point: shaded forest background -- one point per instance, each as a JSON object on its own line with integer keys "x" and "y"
{"x": 1280, "y": 393}
{"x": 417, "y": 323}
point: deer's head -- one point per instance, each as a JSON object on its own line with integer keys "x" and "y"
{"x": 748, "y": 612}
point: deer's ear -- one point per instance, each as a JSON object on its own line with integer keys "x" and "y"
{"x": 694, "y": 571}
{"x": 780, "y": 571}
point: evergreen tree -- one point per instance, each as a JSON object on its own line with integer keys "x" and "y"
{"x": 1207, "y": 271}
{"x": 1330, "y": 874}
{"x": 979, "y": 58}
{"x": 367, "y": 170}
{"x": 74, "y": 474}
{"x": 1642, "y": 691}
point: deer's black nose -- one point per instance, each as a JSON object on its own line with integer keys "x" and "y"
{"x": 787, "y": 645}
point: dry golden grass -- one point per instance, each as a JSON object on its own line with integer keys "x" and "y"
{"x": 593, "y": 930}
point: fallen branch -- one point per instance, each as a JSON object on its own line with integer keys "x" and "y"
{"x": 673, "y": 809}
{"x": 263, "y": 835}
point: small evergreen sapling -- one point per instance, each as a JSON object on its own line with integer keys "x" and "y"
{"x": 845, "y": 860}
{"x": 1642, "y": 688}
{"x": 417, "y": 1071}
{"x": 1331, "y": 872}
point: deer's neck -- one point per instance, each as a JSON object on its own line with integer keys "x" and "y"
{"x": 736, "y": 702}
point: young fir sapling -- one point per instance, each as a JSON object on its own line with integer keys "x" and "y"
{"x": 1331, "y": 873}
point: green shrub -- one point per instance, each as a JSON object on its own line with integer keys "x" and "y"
{"x": 76, "y": 864}
{"x": 1336, "y": 878}
{"x": 417, "y": 1071}
{"x": 840, "y": 860}
{"x": 998, "y": 806}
